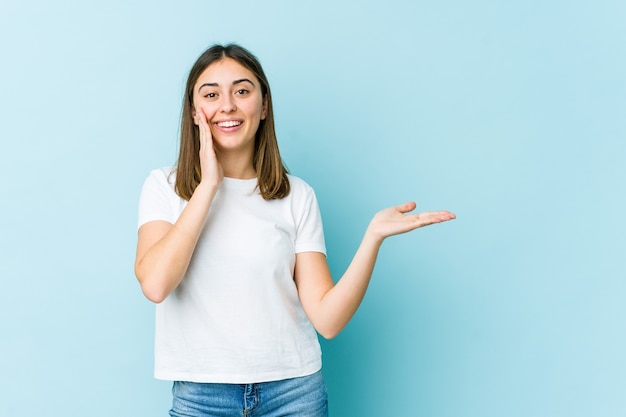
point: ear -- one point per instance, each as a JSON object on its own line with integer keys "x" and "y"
{"x": 194, "y": 116}
{"x": 264, "y": 109}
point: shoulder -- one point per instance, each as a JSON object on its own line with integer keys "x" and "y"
{"x": 158, "y": 199}
{"x": 161, "y": 180}
{"x": 298, "y": 185}
{"x": 167, "y": 174}
{"x": 300, "y": 190}
{"x": 164, "y": 176}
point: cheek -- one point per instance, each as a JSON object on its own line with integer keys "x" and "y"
{"x": 207, "y": 110}
{"x": 258, "y": 110}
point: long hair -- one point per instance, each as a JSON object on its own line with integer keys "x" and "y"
{"x": 272, "y": 180}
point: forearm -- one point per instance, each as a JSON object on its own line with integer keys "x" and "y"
{"x": 163, "y": 265}
{"x": 341, "y": 302}
{"x": 330, "y": 306}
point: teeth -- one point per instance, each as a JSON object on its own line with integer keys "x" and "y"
{"x": 231, "y": 123}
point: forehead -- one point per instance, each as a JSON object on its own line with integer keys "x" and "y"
{"x": 225, "y": 71}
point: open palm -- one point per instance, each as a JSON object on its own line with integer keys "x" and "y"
{"x": 395, "y": 220}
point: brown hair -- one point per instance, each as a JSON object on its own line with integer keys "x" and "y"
{"x": 270, "y": 170}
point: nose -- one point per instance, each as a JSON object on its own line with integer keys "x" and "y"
{"x": 228, "y": 105}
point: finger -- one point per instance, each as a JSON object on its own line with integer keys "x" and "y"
{"x": 445, "y": 215}
{"x": 406, "y": 207}
{"x": 206, "y": 136}
{"x": 435, "y": 217}
{"x": 202, "y": 119}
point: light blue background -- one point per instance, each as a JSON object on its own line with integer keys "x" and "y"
{"x": 511, "y": 114}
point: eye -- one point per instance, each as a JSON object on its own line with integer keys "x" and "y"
{"x": 210, "y": 95}
{"x": 242, "y": 92}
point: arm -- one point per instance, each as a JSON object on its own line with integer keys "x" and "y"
{"x": 330, "y": 306}
{"x": 163, "y": 249}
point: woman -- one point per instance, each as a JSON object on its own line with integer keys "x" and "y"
{"x": 231, "y": 248}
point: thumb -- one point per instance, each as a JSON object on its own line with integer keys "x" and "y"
{"x": 406, "y": 207}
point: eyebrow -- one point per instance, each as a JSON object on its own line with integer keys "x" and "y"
{"x": 239, "y": 81}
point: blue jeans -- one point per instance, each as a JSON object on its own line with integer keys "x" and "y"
{"x": 302, "y": 397}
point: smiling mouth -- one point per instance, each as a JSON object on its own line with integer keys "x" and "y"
{"x": 230, "y": 123}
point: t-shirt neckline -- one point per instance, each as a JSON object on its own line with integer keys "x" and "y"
{"x": 237, "y": 184}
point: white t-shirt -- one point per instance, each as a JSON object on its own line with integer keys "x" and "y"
{"x": 236, "y": 316}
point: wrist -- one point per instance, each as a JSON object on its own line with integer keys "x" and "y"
{"x": 207, "y": 187}
{"x": 373, "y": 237}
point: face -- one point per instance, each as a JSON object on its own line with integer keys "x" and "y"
{"x": 231, "y": 98}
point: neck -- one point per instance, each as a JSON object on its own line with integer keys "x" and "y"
{"x": 237, "y": 166}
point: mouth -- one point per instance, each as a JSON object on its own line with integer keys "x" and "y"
{"x": 229, "y": 123}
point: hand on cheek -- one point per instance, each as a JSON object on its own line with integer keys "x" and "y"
{"x": 202, "y": 121}
{"x": 199, "y": 115}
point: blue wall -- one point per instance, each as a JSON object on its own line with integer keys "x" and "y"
{"x": 511, "y": 114}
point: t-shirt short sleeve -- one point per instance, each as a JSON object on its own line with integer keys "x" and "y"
{"x": 155, "y": 202}
{"x": 309, "y": 228}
